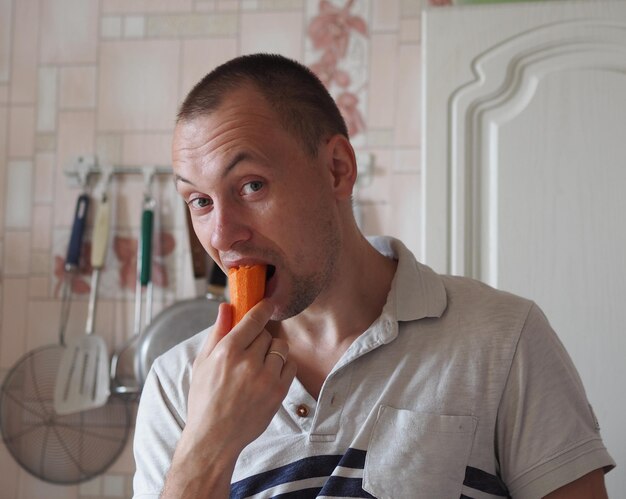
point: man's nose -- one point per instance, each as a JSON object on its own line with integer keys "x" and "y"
{"x": 229, "y": 228}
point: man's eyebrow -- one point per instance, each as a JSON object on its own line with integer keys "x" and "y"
{"x": 241, "y": 156}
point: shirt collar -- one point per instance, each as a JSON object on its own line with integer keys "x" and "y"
{"x": 416, "y": 290}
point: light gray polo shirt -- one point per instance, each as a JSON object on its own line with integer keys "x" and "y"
{"x": 456, "y": 390}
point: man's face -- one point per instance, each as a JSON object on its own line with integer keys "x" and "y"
{"x": 256, "y": 197}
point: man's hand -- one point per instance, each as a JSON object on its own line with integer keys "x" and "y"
{"x": 236, "y": 389}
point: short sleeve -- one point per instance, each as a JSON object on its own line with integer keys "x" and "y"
{"x": 547, "y": 435}
{"x": 158, "y": 429}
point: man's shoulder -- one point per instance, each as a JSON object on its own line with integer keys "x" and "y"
{"x": 478, "y": 303}
{"x": 180, "y": 357}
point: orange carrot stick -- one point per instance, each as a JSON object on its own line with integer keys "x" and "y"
{"x": 247, "y": 288}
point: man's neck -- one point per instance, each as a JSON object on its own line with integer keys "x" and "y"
{"x": 320, "y": 335}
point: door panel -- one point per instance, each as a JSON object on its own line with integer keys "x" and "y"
{"x": 525, "y": 171}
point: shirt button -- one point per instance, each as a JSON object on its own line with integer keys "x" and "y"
{"x": 302, "y": 411}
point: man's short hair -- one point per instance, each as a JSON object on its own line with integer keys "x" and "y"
{"x": 296, "y": 94}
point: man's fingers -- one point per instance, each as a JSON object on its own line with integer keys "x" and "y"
{"x": 219, "y": 329}
{"x": 252, "y": 324}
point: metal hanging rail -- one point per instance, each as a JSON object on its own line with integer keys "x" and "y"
{"x": 83, "y": 167}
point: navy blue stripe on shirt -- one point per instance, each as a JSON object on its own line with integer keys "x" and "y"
{"x": 338, "y": 486}
{"x": 300, "y": 494}
{"x": 309, "y": 467}
{"x": 485, "y": 482}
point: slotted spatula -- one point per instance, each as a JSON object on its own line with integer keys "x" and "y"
{"x": 83, "y": 376}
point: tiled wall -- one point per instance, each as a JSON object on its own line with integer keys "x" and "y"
{"x": 104, "y": 78}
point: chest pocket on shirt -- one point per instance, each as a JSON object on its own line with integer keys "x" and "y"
{"x": 417, "y": 455}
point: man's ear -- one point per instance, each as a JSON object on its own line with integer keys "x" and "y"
{"x": 342, "y": 165}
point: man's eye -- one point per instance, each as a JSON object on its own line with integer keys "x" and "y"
{"x": 199, "y": 202}
{"x": 254, "y": 186}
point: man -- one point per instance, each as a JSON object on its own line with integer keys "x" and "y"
{"x": 409, "y": 384}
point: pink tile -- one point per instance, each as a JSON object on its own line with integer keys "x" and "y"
{"x": 376, "y": 190}
{"x": 31, "y": 487}
{"x": 374, "y": 218}
{"x": 277, "y": 32}
{"x": 21, "y": 131}
{"x": 228, "y": 5}
{"x": 128, "y": 203}
{"x": 201, "y": 56}
{"x": 17, "y": 194}
{"x": 411, "y": 29}
{"x": 13, "y": 320}
{"x": 383, "y": 81}
{"x": 46, "y": 333}
{"x": 16, "y": 253}
{"x": 24, "y": 58}
{"x": 39, "y": 287}
{"x": 126, "y": 462}
{"x": 143, "y": 6}
{"x": 44, "y": 317}
{"x": 407, "y": 122}
{"x": 42, "y": 227}
{"x": 76, "y": 137}
{"x": 6, "y": 17}
{"x": 4, "y": 126}
{"x": 4, "y": 93}
{"x": 128, "y": 98}
{"x": 69, "y": 31}
{"x": 10, "y": 473}
{"x": 40, "y": 262}
{"x": 407, "y": 161}
{"x": 78, "y": 87}
{"x": 385, "y": 15}
{"x": 143, "y": 149}
{"x": 404, "y": 221}
{"x": 44, "y": 177}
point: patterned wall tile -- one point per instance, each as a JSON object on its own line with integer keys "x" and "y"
{"x": 147, "y": 149}
{"x": 134, "y": 26}
{"x": 69, "y": 31}
{"x": 21, "y": 131}
{"x": 4, "y": 128}
{"x": 77, "y": 87}
{"x": 407, "y": 123}
{"x": 111, "y": 27}
{"x": 19, "y": 180}
{"x": 76, "y": 137}
{"x": 47, "y": 91}
{"x": 411, "y": 30}
{"x": 139, "y": 6}
{"x": 42, "y": 227}
{"x": 385, "y": 15}
{"x": 24, "y": 57}
{"x": 190, "y": 26}
{"x": 128, "y": 98}
{"x": 383, "y": 80}
{"x": 13, "y": 321}
{"x": 201, "y": 56}
{"x": 275, "y": 32}
{"x": 6, "y": 17}
{"x": 16, "y": 253}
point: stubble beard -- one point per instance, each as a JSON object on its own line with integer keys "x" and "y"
{"x": 306, "y": 288}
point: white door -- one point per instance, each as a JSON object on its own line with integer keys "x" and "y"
{"x": 525, "y": 173}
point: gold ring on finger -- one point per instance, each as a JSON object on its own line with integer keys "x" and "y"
{"x": 276, "y": 352}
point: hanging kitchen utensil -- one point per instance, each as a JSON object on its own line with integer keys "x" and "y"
{"x": 82, "y": 380}
{"x": 144, "y": 280}
{"x": 185, "y": 318}
{"x": 62, "y": 449}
